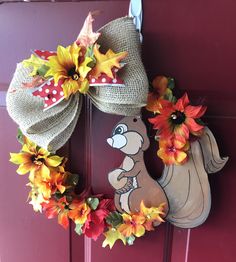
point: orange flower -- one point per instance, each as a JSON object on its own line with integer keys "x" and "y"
{"x": 34, "y": 159}
{"x": 57, "y": 182}
{"x": 52, "y": 185}
{"x": 173, "y": 150}
{"x": 160, "y": 84}
{"x": 155, "y": 98}
{"x": 152, "y": 215}
{"x": 58, "y": 208}
{"x": 179, "y": 119}
{"x": 79, "y": 212}
{"x": 133, "y": 225}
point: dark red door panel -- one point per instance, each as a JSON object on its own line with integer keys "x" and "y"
{"x": 24, "y": 235}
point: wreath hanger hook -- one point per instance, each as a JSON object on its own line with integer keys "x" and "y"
{"x": 136, "y": 12}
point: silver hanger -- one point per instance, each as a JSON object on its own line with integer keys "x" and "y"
{"x": 136, "y": 11}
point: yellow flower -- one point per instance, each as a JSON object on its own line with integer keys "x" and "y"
{"x": 79, "y": 212}
{"x": 37, "y": 198}
{"x": 70, "y": 65}
{"x": 133, "y": 225}
{"x": 152, "y": 215}
{"x": 35, "y": 160}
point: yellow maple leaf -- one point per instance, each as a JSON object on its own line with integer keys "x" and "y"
{"x": 105, "y": 62}
{"x": 35, "y": 62}
{"x": 112, "y": 235}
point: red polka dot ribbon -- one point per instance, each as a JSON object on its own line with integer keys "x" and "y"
{"x": 52, "y": 94}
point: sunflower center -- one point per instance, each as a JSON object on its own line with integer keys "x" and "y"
{"x": 36, "y": 160}
{"x": 177, "y": 117}
{"x": 73, "y": 74}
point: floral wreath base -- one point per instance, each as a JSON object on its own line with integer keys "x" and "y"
{"x": 53, "y": 192}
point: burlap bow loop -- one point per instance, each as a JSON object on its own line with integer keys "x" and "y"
{"x": 121, "y": 35}
{"x": 52, "y": 128}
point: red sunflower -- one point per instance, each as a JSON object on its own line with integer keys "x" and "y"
{"x": 179, "y": 119}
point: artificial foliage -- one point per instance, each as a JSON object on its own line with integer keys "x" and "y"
{"x": 52, "y": 192}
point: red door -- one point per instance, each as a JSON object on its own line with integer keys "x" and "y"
{"x": 193, "y": 41}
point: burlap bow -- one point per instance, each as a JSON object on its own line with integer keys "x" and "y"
{"x": 52, "y": 129}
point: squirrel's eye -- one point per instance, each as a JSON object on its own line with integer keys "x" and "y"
{"x": 120, "y": 129}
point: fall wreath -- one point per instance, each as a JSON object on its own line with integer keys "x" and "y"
{"x": 54, "y": 78}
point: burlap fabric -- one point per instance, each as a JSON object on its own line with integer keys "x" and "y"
{"x": 52, "y": 128}
{"x": 121, "y": 35}
{"x": 56, "y": 137}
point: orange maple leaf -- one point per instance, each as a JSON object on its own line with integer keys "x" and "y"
{"x": 105, "y": 62}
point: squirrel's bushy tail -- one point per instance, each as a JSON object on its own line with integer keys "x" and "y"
{"x": 187, "y": 186}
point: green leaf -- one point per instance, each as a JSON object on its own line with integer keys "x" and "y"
{"x": 171, "y": 83}
{"x": 90, "y": 53}
{"x": 130, "y": 240}
{"x": 78, "y": 229}
{"x": 20, "y": 137}
{"x": 114, "y": 219}
{"x": 58, "y": 195}
{"x": 69, "y": 198}
{"x": 200, "y": 122}
{"x": 42, "y": 70}
{"x": 93, "y": 202}
{"x": 174, "y": 99}
{"x": 35, "y": 62}
{"x": 72, "y": 180}
{"x": 169, "y": 96}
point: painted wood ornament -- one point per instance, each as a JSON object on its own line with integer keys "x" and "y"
{"x": 131, "y": 180}
{"x": 183, "y": 188}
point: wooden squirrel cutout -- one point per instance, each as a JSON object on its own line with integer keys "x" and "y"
{"x": 131, "y": 180}
{"x": 185, "y": 188}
